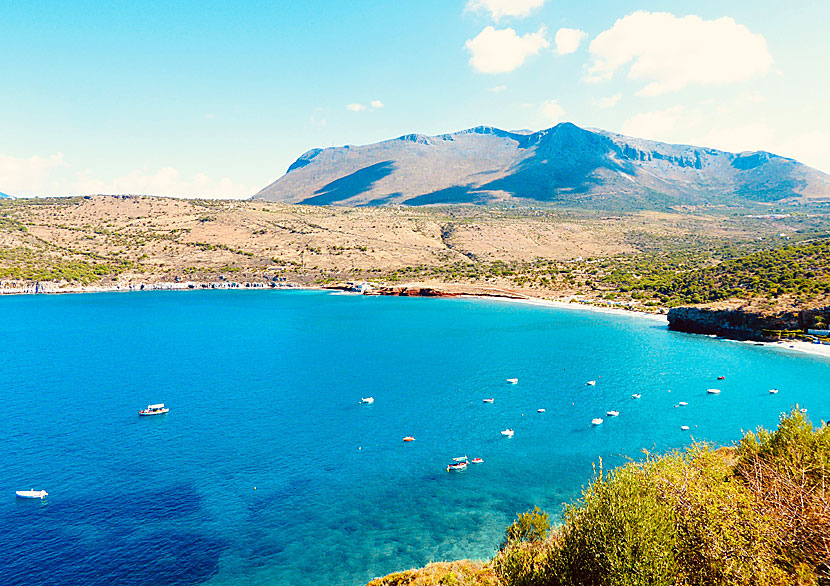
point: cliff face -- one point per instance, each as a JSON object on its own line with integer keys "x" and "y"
{"x": 739, "y": 324}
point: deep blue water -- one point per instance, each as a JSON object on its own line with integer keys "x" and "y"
{"x": 263, "y": 388}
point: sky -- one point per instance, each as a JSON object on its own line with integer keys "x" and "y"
{"x": 217, "y": 99}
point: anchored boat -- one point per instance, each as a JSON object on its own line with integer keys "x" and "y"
{"x": 32, "y": 494}
{"x": 156, "y": 409}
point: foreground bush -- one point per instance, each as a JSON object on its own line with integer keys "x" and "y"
{"x": 754, "y": 515}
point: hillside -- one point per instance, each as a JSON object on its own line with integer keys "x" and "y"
{"x": 645, "y": 260}
{"x": 561, "y": 165}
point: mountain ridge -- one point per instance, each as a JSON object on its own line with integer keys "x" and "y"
{"x": 562, "y": 164}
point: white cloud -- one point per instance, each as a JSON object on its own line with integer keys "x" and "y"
{"x": 52, "y": 175}
{"x": 567, "y": 40}
{"x": 753, "y": 136}
{"x": 657, "y": 125}
{"x": 553, "y": 112}
{"x": 500, "y": 8}
{"x": 355, "y": 107}
{"x": 608, "y": 101}
{"x": 669, "y": 52}
{"x": 809, "y": 148}
{"x": 319, "y": 117}
{"x": 502, "y": 51}
{"x": 26, "y": 176}
{"x": 165, "y": 181}
{"x": 497, "y": 89}
{"x": 376, "y": 104}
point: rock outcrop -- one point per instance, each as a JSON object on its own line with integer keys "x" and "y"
{"x": 740, "y": 324}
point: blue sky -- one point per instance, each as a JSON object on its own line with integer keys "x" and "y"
{"x": 217, "y": 99}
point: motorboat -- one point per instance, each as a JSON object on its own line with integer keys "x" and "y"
{"x": 773, "y": 391}
{"x": 507, "y": 432}
{"x": 804, "y": 410}
{"x": 460, "y": 459}
{"x": 636, "y": 396}
{"x": 457, "y": 466}
{"x": 156, "y": 409}
{"x": 490, "y": 400}
{"x": 713, "y": 391}
{"x": 596, "y": 421}
{"x": 591, "y": 383}
{"x": 612, "y": 413}
{"x": 682, "y": 403}
{"x": 367, "y": 400}
{"x": 31, "y": 494}
{"x": 684, "y": 428}
{"x": 476, "y": 460}
{"x": 513, "y": 381}
{"x": 540, "y": 411}
{"x": 721, "y": 377}
{"x": 409, "y": 438}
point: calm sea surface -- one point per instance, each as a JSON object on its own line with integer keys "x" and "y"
{"x": 264, "y": 389}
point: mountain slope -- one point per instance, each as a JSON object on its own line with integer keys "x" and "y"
{"x": 564, "y": 164}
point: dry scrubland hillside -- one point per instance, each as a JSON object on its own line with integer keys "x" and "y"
{"x": 134, "y": 239}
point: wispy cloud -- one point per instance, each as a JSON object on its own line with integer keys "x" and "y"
{"x": 502, "y": 50}
{"x": 552, "y": 112}
{"x": 355, "y": 107}
{"x": 28, "y": 175}
{"x": 376, "y": 104}
{"x": 497, "y": 89}
{"x": 501, "y": 8}
{"x": 608, "y": 101}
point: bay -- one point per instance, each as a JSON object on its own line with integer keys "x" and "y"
{"x": 268, "y": 470}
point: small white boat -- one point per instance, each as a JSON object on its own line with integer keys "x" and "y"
{"x": 773, "y": 391}
{"x": 540, "y": 411}
{"x": 490, "y": 400}
{"x": 591, "y": 383}
{"x": 31, "y": 494}
{"x": 804, "y": 410}
{"x": 684, "y": 428}
{"x": 460, "y": 459}
{"x": 507, "y": 432}
{"x": 367, "y": 400}
{"x": 682, "y": 403}
{"x": 513, "y": 381}
{"x": 612, "y": 413}
{"x": 596, "y": 421}
{"x": 476, "y": 460}
{"x": 636, "y": 396}
{"x": 156, "y": 409}
{"x": 713, "y": 391}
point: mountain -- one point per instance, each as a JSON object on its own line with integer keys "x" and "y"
{"x": 564, "y": 164}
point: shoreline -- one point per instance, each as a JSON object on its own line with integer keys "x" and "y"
{"x": 798, "y": 346}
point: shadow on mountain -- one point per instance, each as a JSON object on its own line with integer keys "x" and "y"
{"x": 381, "y": 201}
{"x": 353, "y": 184}
{"x": 456, "y": 194}
{"x": 565, "y": 161}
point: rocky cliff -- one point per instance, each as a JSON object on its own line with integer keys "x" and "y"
{"x": 741, "y": 324}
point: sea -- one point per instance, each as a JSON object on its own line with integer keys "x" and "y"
{"x": 268, "y": 469}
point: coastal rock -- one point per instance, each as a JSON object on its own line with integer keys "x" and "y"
{"x": 741, "y": 324}
{"x": 412, "y": 291}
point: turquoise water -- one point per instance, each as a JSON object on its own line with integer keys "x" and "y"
{"x": 263, "y": 388}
